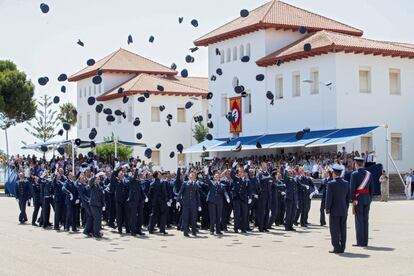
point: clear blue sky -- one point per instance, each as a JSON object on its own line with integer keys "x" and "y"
{"x": 45, "y": 44}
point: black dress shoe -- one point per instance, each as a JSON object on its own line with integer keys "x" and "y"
{"x": 151, "y": 232}
{"x": 141, "y": 233}
{"x": 219, "y": 233}
{"x": 211, "y": 232}
{"x": 266, "y": 230}
{"x": 236, "y": 231}
{"x": 333, "y": 252}
{"x": 357, "y": 245}
{"x": 165, "y": 233}
{"x": 34, "y": 224}
{"x": 186, "y": 235}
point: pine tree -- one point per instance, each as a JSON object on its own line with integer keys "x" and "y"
{"x": 45, "y": 123}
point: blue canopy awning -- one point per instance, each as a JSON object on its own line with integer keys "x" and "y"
{"x": 341, "y": 136}
{"x": 318, "y": 138}
{"x": 199, "y": 148}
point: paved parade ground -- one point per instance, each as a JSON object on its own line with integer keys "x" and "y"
{"x": 26, "y": 250}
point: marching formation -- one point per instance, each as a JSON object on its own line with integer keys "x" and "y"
{"x": 251, "y": 192}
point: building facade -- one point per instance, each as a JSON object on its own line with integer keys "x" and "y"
{"x": 323, "y": 75}
{"x": 135, "y": 76}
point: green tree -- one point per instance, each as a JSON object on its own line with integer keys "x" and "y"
{"x": 66, "y": 115}
{"x": 107, "y": 150}
{"x": 46, "y": 122}
{"x": 199, "y": 132}
{"x": 16, "y": 97}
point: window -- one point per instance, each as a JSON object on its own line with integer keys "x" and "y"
{"x": 223, "y": 104}
{"x": 396, "y": 146}
{"x": 94, "y": 89}
{"x": 90, "y": 91}
{"x": 364, "y": 80}
{"x": 88, "y": 120}
{"x": 181, "y": 159}
{"x": 155, "y": 157}
{"x": 180, "y": 115}
{"x": 395, "y": 82}
{"x": 80, "y": 93}
{"x": 79, "y": 121}
{"x": 248, "y": 104}
{"x": 222, "y": 56}
{"x": 155, "y": 114}
{"x": 366, "y": 144}
{"x": 248, "y": 50}
{"x": 315, "y": 82}
{"x": 279, "y": 87}
{"x": 119, "y": 119}
{"x": 241, "y": 51}
{"x": 228, "y": 55}
{"x": 130, "y": 115}
{"x": 96, "y": 119}
{"x": 235, "y": 53}
{"x": 84, "y": 92}
{"x": 100, "y": 89}
{"x": 296, "y": 84}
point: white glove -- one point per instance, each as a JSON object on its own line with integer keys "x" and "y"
{"x": 283, "y": 193}
{"x": 249, "y": 162}
{"x": 177, "y": 205}
{"x": 103, "y": 208}
{"x": 227, "y": 199}
{"x": 249, "y": 201}
{"x": 256, "y": 196}
{"x": 199, "y": 209}
{"x": 100, "y": 174}
{"x": 234, "y": 164}
{"x": 146, "y": 199}
{"x": 169, "y": 203}
{"x": 77, "y": 201}
{"x": 71, "y": 197}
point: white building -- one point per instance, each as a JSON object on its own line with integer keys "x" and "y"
{"x": 137, "y": 75}
{"x": 341, "y": 81}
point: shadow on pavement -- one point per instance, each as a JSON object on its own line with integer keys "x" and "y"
{"x": 354, "y": 255}
{"x": 379, "y": 248}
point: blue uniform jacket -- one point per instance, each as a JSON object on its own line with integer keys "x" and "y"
{"x": 337, "y": 197}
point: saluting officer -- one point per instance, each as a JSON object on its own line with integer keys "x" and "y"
{"x": 361, "y": 193}
{"x": 337, "y": 202}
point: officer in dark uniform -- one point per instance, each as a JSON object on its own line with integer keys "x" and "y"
{"x": 23, "y": 194}
{"x": 59, "y": 199}
{"x": 189, "y": 198}
{"x": 46, "y": 195}
{"x": 215, "y": 198}
{"x": 241, "y": 198}
{"x": 327, "y": 176}
{"x": 281, "y": 193}
{"x": 136, "y": 198}
{"x": 275, "y": 198}
{"x": 71, "y": 193}
{"x": 265, "y": 183}
{"x": 120, "y": 183}
{"x": 96, "y": 202}
{"x": 337, "y": 202}
{"x": 362, "y": 191}
{"x": 158, "y": 195}
{"x": 37, "y": 202}
{"x": 291, "y": 200}
{"x": 84, "y": 194}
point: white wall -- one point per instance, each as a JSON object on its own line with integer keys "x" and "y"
{"x": 377, "y": 107}
{"x": 153, "y": 132}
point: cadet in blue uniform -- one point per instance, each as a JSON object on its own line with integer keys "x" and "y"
{"x": 291, "y": 200}
{"x": 265, "y": 183}
{"x": 84, "y": 194}
{"x": 158, "y": 195}
{"x": 136, "y": 198}
{"x": 215, "y": 198}
{"x": 37, "y": 202}
{"x": 275, "y": 199}
{"x": 361, "y": 193}
{"x": 59, "y": 199}
{"x": 241, "y": 199}
{"x": 337, "y": 202}
{"x": 120, "y": 183}
{"x": 189, "y": 198}
{"x": 46, "y": 195}
{"x": 96, "y": 203}
{"x": 22, "y": 194}
{"x": 71, "y": 193}
{"x": 327, "y": 176}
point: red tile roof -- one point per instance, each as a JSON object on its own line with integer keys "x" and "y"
{"x": 123, "y": 61}
{"x": 173, "y": 86}
{"x": 278, "y": 15}
{"x": 324, "y": 42}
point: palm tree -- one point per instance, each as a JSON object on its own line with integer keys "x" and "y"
{"x": 66, "y": 115}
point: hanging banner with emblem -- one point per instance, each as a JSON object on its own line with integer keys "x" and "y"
{"x": 236, "y": 113}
